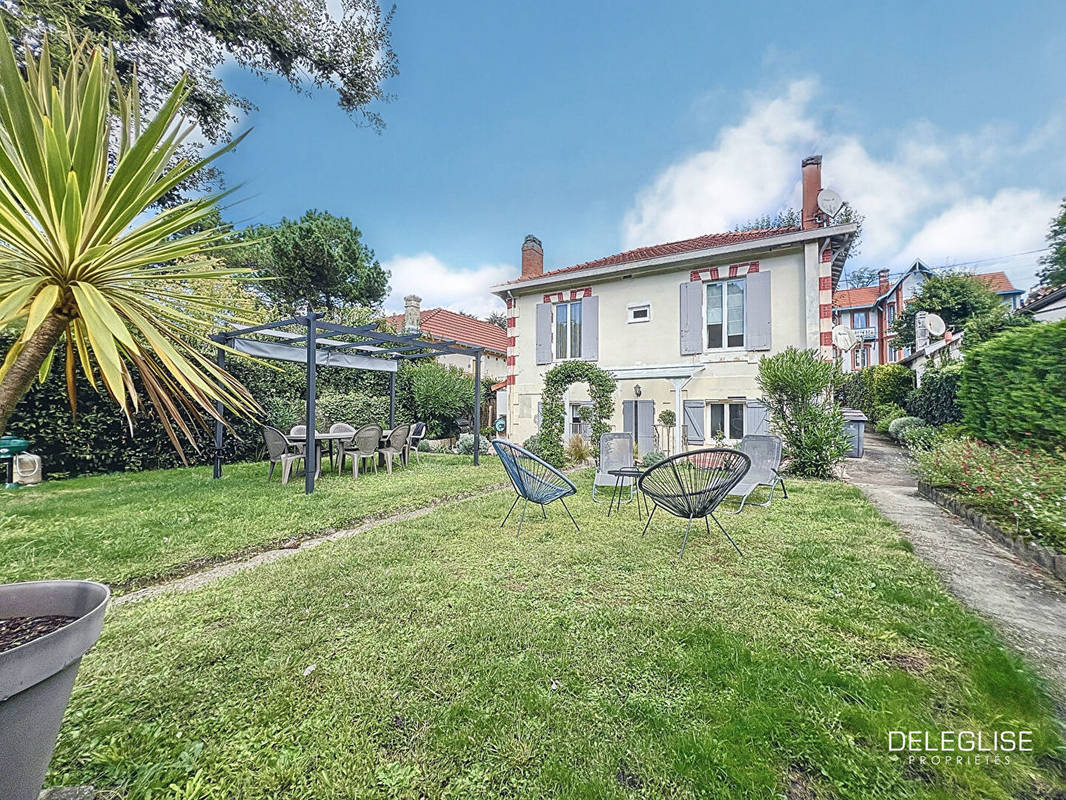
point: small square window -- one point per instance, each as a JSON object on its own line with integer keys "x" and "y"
{"x": 639, "y": 312}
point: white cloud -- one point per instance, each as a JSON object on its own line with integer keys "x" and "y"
{"x": 924, "y": 197}
{"x": 438, "y": 284}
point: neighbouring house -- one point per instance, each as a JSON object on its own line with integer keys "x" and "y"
{"x": 871, "y": 310}
{"x": 440, "y": 324}
{"x": 1046, "y": 304}
{"x": 681, "y": 326}
{"x": 935, "y": 352}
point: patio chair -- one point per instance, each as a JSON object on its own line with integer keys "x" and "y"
{"x": 300, "y": 431}
{"x": 534, "y": 480}
{"x": 616, "y": 451}
{"x": 418, "y": 433}
{"x": 363, "y": 445}
{"x": 340, "y": 427}
{"x": 692, "y": 485}
{"x": 279, "y": 451}
{"x": 765, "y": 455}
{"x": 395, "y": 447}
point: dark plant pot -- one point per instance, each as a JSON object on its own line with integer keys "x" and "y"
{"x": 36, "y": 677}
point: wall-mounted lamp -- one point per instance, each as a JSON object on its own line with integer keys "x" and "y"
{"x": 636, "y": 390}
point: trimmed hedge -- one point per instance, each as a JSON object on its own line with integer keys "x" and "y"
{"x": 1013, "y": 387}
{"x": 883, "y": 385}
{"x": 935, "y": 400}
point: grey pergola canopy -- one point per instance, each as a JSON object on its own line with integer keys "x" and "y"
{"x": 365, "y": 347}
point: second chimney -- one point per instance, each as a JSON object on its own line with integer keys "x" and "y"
{"x": 532, "y": 257}
{"x": 812, "y": 184}
{"x": 882, "y": 281}
{"x": 412, "y": 314}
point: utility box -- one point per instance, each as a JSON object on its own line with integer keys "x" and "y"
{"x": 855, "y": 428}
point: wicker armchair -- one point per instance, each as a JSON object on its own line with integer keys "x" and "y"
{"x": 692, "y": 485}
{"x": 534, "y": 480}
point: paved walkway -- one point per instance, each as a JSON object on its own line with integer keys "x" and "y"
{"x": 1023, "y": 601}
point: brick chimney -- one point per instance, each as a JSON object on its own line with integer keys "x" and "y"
{"x": 412, "y": 314}
{"x": 812, "y": 184}
{"x": 532, "y": 257}
{"x": 882, "y": 281}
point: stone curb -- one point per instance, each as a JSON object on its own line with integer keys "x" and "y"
{"x": 1026, "y": 549}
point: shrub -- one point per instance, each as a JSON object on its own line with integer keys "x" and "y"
{"x": 465, "y": 446}
{"x": 553, "y": 413}
{"x": 667, "y": 418}
{"x": 532, "y": 444}
{"x": 935, "y": 400}
{"x": 425, "y": 447}
{"x": 900, "y": 425}
{"x": 885, "y": 414}
{"x": 438, "y": 395}
{"x": 1024, "y": 490}
{"x": 578, "y": 450}
{"x": 891, "y": 384}
{"x": 797, "y": 390}
{"x": 855, "y": 391}
{"x": 919, "y": 437}
{"x": 1011, "y": 389}
{"x": 353, "y": 408}
{"x": 652, "y": 457}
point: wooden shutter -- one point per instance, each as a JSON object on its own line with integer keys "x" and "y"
{"x": 694, "y": 421}
{"x": 590, "y": 328}
{"x": 544, "y": 333}
{"x": 758, "y": 419}
{"x": 691, "y": 318}
{"x": 757, "y": 311}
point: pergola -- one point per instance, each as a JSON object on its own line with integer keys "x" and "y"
{"x": 316, "y": 343}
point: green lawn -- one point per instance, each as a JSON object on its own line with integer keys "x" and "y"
{"x": 131, "y": 528}
{"x": 445, "y": 658}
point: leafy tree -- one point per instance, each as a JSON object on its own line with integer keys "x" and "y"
{"x": 955, "y": 296}
{"x": 318, "y": 260}
{"x": 1054, "y": 263}
{"x": 791, "y": 218}
{"x": 497, "y": 318}
{"x": 84, "y": 263}
{"x": 982, "y": 327}
{"x": 859, "y": 277}
{"x": 166, "y": 39}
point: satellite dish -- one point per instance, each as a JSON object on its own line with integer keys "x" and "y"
{"x": 935, "y": 325}
{"x": 844, "y": 338}
{"x": 829, "y": 202}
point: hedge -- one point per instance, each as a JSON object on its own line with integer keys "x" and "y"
{"x": 1012, "y": 387}
{"x": 935, "y": 400}
{"x": 882, "y": 385}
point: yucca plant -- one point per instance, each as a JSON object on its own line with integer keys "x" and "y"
{"x": 89, "y": 264}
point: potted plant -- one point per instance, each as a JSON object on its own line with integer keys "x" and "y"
{"x": 45, "y": 629}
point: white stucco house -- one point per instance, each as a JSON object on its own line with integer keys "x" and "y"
{"x": 681, "y": 326}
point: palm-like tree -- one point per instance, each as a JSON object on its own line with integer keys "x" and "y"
{"x": 87, "y": 267}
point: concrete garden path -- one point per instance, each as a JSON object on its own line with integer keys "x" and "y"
{"x": 1023, "y": 601}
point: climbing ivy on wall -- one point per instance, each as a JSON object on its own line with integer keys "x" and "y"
{"x": 553, "y": 412}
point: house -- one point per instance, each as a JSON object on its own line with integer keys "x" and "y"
{"x": 871, "y": 310}
{"x": 443, "y": 325}
{"x": 1046, "y": 304}
{"x": 681, "y": 326}
{"x": 934, "y": 352}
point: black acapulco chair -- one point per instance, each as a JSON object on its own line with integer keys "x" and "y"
{"x": 692, "y": 485}
{"x": 534, "y": 480}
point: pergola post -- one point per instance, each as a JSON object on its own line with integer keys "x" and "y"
{"x": 392, "y": 400}
{"x": 220, "y": 361}
{"x": 477, "y": 407}
{"x": 310, "y": 449}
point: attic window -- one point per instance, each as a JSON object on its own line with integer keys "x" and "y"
{"x": 639, "y": 312}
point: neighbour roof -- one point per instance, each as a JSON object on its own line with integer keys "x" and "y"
{"x": 669, "y": 249}
{"x": 997, "y": 282}
{"x": 1043, "y": 296}
{"x": 441, "y": 323}
{"x": 867, "y": 296}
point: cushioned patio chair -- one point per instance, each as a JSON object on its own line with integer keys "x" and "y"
{"x": 395, "y": 446}
{"x": 765, "y": 455}
{"x": 534, "y": 480}
{"x": 364, "y": 445}
{"x": 692, "y": 485}
{"x": 279, "y": 451}
{"x": 616, "y": 452}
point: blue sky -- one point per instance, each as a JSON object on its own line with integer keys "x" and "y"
{"x": 601, "y": 127}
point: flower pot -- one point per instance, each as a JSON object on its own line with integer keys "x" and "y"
{"x": 36, "y": 677}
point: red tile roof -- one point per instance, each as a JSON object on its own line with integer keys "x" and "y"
{"x": 670, "y": 249}
{"x": 440, "y": 323}
{"x": 996, "y": 281}
{"x": 862, "y": 297}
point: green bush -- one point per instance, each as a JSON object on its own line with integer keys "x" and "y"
{"x": 578, "y": 450}
{"x": 437, "y": 394}
{"x": 919, "y": 437}
{"x": 891, "y": 384}
{"x": 900, "y": 425}
{"x": 797, "y": 390}
{"x": 532, "y": 444}
{"x": 1024, "y": 490}
{"x": 353, "y": 408}
{"x": 935, "y": 400}
{"x": 652, "y": 457}
{"x": 856, "y": 391}
{"x": 667, "y": 418}
{"x": 553, "y": 413}
{"x": 465, "y": 445}
{"x": 1012, "y": 387}
{"x": 885, "y": 414}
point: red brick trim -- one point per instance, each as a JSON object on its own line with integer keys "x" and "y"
{"x": 826, "y": 338}
{"x": 510, "y": 380}
{"x": 575, "y": 294}
{"x": 825, "y": 311}
{"x": 825, "y": 282}
{"x": 512, "y": 322}
{"x": 827, "y": 255}
{"x": 510, "y": 361}
{"x": 510, "y": 341}
{"x": 714, "y": 273}
{"x": 510, "y": 303}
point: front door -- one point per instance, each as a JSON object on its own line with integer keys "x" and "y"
{"x": 638, "y": 418}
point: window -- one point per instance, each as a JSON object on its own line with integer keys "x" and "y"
{"x": 568, "y": 330}
{"x": 725, "y": 314}
{"x": 639, "y": 312}
{"x": 861, "y": 357}
{"x": 859, "y": 319}
{"x": 727, "y": 420}
{"x": 891, "y": 313}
